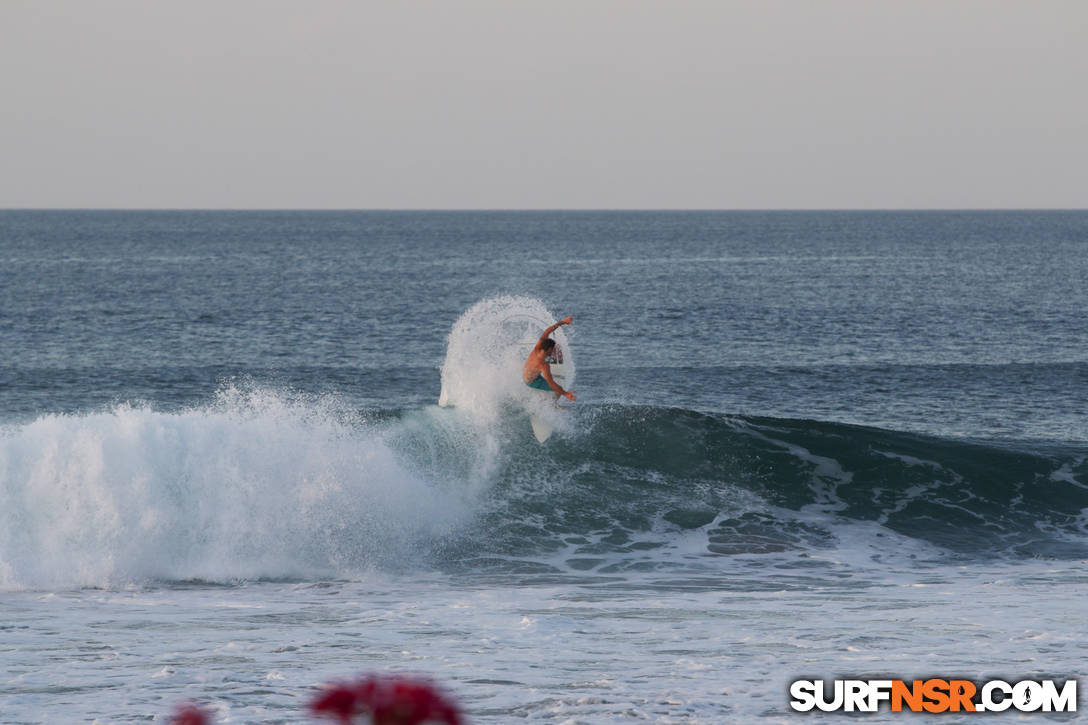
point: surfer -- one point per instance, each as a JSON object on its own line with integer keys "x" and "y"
{"x": 537, "y": 373}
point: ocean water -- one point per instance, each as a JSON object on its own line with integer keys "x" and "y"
{"x": 806, "y": 445}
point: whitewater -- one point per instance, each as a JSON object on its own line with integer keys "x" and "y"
{"x": 245, "y": 454}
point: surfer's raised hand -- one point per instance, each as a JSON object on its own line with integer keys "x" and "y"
{"x": 553, "y": 328}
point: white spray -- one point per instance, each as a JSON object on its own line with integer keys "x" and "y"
{"x": 487, "y": 348}
{"x": 251, "y": 486}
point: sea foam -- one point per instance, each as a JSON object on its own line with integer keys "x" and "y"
{"x": 252, "y": 485}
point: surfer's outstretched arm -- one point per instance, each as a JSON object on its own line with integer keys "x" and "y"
{"x": 547, "y": 373}
{"x": 553, "y": 328}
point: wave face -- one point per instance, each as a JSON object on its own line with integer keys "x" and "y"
{"x": 257, "y": 486}
{"x": 636, "y": 487}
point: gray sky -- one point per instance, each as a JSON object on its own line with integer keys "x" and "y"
{"x": 556, "y": 104}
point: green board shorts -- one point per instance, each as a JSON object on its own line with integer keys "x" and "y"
{"x": 539, "y": 383}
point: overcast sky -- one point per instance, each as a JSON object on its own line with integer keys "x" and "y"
{"x": 556, "y": 104}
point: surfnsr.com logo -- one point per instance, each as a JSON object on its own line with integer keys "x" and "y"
{"x": 933, "y": 695}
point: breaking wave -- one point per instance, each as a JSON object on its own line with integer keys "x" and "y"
{"x": 259, "y": 486}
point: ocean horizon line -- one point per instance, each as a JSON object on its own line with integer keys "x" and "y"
{"x": 557, "y": 210}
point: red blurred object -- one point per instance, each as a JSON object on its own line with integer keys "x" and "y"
{"x": 387, "y": 700}
{"x": 191, "y": 715}
{"x": 339, "y": 702}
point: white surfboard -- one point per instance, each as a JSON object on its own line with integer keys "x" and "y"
{"x": 541, "y": 430}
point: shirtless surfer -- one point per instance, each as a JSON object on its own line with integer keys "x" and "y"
{"x": 537, "y": 373}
